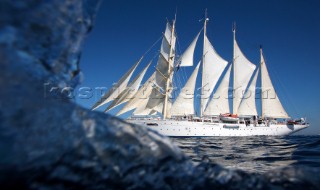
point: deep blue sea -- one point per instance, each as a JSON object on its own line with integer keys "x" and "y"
{"x": 254, "y": 154}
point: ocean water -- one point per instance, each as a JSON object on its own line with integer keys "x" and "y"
{"x": 254, "y": 154}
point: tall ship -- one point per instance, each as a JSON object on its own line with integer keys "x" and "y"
{"x": 154, "y": 106}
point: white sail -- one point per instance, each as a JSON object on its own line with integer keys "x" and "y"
{"x": 130, "y": 91}
{"x": 271, "y": 105}
{"x": 116, "y": 90}
{"x": 213, "y": 66}
{"x": 219, "y": 104}
{"x": 141, "y": 97}
{"x": 163, "y": 61}
{"x": 142, "y": 110}
{"x": 186, "y": 59}
{"x": 159, "y": 107}
{"x": 167, "y": 33}
{"x": 164, "y": 70}
{"x": 248, "y": 104}
{"x": 169, "y": 107}
{"x": 242, "y": 72}
{"x": 184, "y": 104}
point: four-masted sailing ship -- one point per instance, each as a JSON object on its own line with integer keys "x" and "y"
{"x": 178, "y": 117}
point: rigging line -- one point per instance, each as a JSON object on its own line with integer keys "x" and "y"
{"x": 179, "y": 85}
{"x": 178, "y": 90}
{"x": 177, "y": 41}
{"x": 177, "y": 74}
{"x": 185, "y": 76}
{"x": 153, "y": 45}
{"x": 157, "y": 88}
{"x": 174, "y": 77}
{"x": 181, "y": 79}
{"x": 163, "y": 75}
{"x": 155, "y": 55}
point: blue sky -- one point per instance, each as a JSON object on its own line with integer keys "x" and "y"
{"x": 289, "y": 31}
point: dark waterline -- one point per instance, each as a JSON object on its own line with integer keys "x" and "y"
{"x": 254, "y": 154}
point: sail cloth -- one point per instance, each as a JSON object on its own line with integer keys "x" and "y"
{"x": 130, "y": 91}
{"x": 143, "y": 110}
{"x": 242, "y": 72}
{"x": 248, "y": 104}
{"x": 186, "y": 59}
{"x": 168, "y": 42}
{"x": 184, "y": 104}
{"x": 213, "y": 66}
{"x": 141, "y": 97}
{"x": 219, "y": 104}
{"x": 115, "y": 91}
{"x": 271, "y": 105}
{"x": 157, "y": 96}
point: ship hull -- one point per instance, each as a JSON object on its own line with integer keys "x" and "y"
{"x": 202, "y": 129}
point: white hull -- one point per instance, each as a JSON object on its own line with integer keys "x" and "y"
{"x": 194, "y": 129}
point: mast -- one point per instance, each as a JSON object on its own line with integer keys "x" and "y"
{"x": 262, "y": 102}
{"x": 203, "y": 60}
{"x": 243, "y": 70}
{"x": 170, "y": 67}
{"x": 233, "y": 67}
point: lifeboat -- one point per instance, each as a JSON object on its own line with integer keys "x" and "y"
{"x": 229, "y": 117}
{"x": 296, "y": 121}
